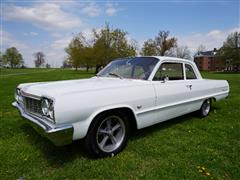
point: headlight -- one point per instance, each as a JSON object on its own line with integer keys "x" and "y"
{"x": 17, "y": 93}
{"x": 47, "y": 107}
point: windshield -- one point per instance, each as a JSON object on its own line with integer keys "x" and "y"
{"x": 132, "y": 68}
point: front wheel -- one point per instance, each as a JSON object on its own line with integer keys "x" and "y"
{"x": 205, "y": 108}
{"x": 108, "y": 134}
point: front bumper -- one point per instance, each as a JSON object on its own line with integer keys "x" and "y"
{"x": 59, "y": 134}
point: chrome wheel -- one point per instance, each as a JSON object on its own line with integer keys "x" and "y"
{"x": 206, "y": 107}
{"x": 110, "y": 133}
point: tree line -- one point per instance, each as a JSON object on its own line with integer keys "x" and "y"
{"x": 12, "y": 58}
{"x": 109, "y": 43}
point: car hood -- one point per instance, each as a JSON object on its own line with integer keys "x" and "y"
{"x": 60, "y": 88}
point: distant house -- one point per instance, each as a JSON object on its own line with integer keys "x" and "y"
{"x": 208, "y": 61}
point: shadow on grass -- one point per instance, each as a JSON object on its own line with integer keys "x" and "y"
{"x": 162, "y": 125}
{"x": 58, "y": 156}
{"x": 55, "y": 155}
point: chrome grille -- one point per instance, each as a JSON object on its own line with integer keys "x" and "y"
{"x": 33, "y": 105}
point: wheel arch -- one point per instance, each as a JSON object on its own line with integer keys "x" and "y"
{"x": 127, "y": 110}
{"x": 213, "y": 99}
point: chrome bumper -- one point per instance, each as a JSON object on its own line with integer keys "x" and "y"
{"x": 59, "y": 134}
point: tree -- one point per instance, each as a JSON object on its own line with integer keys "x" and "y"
{"x": 149, "y": 48}
{"x": 77, "y": 52}
{"x": 13, "y": 58}
{"x": 163, "y": 43}
{"x": 181, "y": 52}
{"x": 1, "y": 60}
{"x": 160, "y": 45}
{"x": 66, "y": 64}
{"x": 39, "y": 59}
{"x": 110, "y": 44}
{"x": 201, "y": 48}
{"x": 106, "y": 45}
{"x": 48, "y": 66}
{"x": 230, "y": 51}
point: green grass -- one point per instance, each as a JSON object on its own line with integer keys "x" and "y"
{"x": 169, "y": 150}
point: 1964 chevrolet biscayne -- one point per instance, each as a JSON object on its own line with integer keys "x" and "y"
{"x": 128, "y": 93}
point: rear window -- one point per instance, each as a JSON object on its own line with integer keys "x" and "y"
{"x": 190, "y": 74}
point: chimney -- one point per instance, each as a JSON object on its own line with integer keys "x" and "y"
{"x": 214, "y": 51}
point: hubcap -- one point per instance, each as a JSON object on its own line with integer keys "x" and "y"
{"x": 110, "y": 133}
{"x": 206, "y": 107}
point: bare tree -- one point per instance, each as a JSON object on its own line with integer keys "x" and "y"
{"x": 201, "y": 48}
{"x": 163, "y": 43}
{"x": 39, "y": 59}
{"x": 181, "y": 52}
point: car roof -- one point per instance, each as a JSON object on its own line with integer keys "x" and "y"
{"x": 161, "y": 58}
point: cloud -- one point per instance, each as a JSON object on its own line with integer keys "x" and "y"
{"x": 110, "y": 10}
{"x": 61, "y": 43}
{"x": 31, "y": 34}
{"x": 7, "y": 41}
{"x": 48, "y": 16}
{"x": 212, "y": 39}
{"x": 91, "y": 9}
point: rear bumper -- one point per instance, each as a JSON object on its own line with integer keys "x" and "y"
{"x": 59, "y": 134}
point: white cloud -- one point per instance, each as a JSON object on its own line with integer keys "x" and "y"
{"x": 48, "y": 16}
{"x": 111, "y": 10}
{"x": 7, "y": 41}
{"x": 91, "y": 9}
{"x": 61, "y": 43}
{"x": 211, "y": 39}
{"x": 33, "y": 33}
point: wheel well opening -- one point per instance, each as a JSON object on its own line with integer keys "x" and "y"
{"x": 127, "y": 111}
{"x": 213, "y": 99}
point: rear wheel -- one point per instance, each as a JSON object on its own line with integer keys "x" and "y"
{"x": 108, "y": 134}
{"x": 205, "y": 108}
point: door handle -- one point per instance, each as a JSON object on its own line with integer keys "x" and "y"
{"x": 189, "y": 86}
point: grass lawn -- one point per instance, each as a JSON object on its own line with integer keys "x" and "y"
{"x": 176, "y": 149}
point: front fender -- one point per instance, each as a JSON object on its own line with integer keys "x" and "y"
{"x": 81, "y": 128}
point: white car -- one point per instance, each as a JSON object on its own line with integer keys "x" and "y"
{"x": 128, "y": 93}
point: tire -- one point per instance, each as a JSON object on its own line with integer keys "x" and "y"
{"x": 205, "y": 108}
{"x": 107, "y": 135}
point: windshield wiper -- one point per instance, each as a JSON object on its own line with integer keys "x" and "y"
{"x": 116, "y": 75}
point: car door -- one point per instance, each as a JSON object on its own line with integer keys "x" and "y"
{"x": 196, "y": 87}
{"x": 172, "y": 91}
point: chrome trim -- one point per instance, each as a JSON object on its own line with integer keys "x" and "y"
{"x": 30, "y": 95}
{"x": 155, "y": 108}
{"x": 58, "y": 134}
{"x": 39, "y": 98}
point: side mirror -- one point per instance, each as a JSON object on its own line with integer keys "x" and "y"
{"x": 165, "y": 79}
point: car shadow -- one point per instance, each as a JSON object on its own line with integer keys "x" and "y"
{"x": 138, "y": 134}
{"x": 59, "y": 155}
{"x": 56, "y": 156}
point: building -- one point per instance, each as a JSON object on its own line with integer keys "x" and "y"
{"x": 208, "y": 61}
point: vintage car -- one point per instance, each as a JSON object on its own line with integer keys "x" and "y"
{"x": 127, "y": 94}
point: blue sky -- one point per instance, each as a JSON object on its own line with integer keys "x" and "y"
{"x": 48, "y": 26}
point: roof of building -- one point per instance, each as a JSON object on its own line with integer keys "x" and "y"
{"x": 205, "y": 53}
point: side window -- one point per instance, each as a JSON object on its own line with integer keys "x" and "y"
{"x": 189, "y": 72}
{"x": 169, "y": 71}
